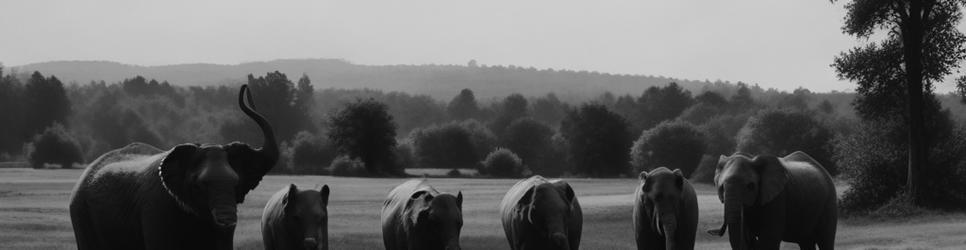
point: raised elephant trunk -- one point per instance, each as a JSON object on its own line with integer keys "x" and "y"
{"x": 734, "y": 218}
{"x": 270, "y": 145}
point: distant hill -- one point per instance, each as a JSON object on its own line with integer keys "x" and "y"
{"x": 440, "y": 81}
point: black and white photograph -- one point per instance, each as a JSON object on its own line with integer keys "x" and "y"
{"x": 482, "y": 125}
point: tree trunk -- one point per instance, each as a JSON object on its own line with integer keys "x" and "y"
{"x": 912, "y": 36}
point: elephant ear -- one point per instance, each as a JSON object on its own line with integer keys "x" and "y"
{"x": 459, "y": 200}
{"x": 173, "y": 171}
{"x": 525, "y": 203}
{"x": 291, "y": 199}
{"x": 773, "y": 177}
{"x": 679, "y": 181}
{"x": 324, "y": 193}
{"x": 646, "y": 187}
{"x": 249, "y": 164}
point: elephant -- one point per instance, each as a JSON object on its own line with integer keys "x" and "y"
{"x": 768, "y": 200}
{"x": 541, "y": 214}
{"x": 140, "y": 197}
{"x": 665, "y": 211}
{"x": 417, "y": 217}
{"x": 296, "y": 219}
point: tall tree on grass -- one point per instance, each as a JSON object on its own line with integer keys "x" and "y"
{"x": 598, "y": 140}
{"x": 922, "y": 46}
{"x": 364, "y": 129}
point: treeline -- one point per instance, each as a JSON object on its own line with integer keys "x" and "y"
{"x": 364, "y": 132}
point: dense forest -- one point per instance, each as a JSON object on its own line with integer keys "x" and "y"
{"x": 365, "y": 131}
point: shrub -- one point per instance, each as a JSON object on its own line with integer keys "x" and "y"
{"x": 874, "y": 160}
{"x": 675, "y": 145}
{"x": 781, "y": 132}
{"x": 598, "y": 140}
{"x": 705, "y": 171}
{"x": 531, "y": 140}
{"x": 347, "y": 166}
{"x": 364, "y": 129}
{"x": 451, "y": 145}
{"x": 503, "y": 163}
{"x": 454, "y": 173}
{"x": 311, "y": 153}
{"x": 54, "y": 146}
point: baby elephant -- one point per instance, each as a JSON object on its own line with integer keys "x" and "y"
{"x": 542, "y": 214}
{"x": 417, "y": 217}
{"x": 665, "y": 211}
{"x": 296, "y": 219}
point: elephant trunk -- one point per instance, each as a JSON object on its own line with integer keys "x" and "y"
{"x": 560, "y": 241}
{"x": 734, "y": 218}
{"x": 225, "y": 238}
{"x": 224, "y": 208}
{"x": 270, "y": 145}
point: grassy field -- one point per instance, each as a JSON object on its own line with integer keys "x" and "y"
{"x": 33, "y": 214}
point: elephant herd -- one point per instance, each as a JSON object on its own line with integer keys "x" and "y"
{"x": 141, "y": 197}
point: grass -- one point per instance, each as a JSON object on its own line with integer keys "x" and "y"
{"x": 33, "y": 214}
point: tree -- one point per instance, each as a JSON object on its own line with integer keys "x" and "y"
{"x": 12, "y": 124}
{"x": 531, "y": 140}
{"x": 463, "y": 106}
{"x": 549, "y": 109}
{"x": 364, "y": 129}
{"x": 675, "y": 145}
{"x": 304, "y": 100}
{"x": 448, "y": 145}
{"x": 922, "y": 46}
{"x": 311, "y": 153}
{"x": 513, "y": 107}
{"x": 598, "y": 140}
{"x": 278, "y": 101}
{"x": 503, "y": 163}
{"x": 46, "y": 102}
{"x": 54, "y": 146}
{"x": 781, "y": 132}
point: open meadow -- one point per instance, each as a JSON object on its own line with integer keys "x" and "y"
{"x": 33, "y": 214}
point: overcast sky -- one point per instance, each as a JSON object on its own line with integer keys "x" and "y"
{"x": 780, "y": 44}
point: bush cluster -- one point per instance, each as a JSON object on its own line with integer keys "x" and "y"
{"x": 503, "y": 163}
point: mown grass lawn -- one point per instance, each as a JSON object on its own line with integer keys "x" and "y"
{"x": 33, "y": 214}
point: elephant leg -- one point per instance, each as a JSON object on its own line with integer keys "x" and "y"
{"x": 826, "y": 240}
{"x": 767, "y": 244}
{"x": 84, "y": 231}
{"x": 806, "y": 245}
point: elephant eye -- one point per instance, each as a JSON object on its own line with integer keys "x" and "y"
{"x": 658, "y": 197}
{"x": 751, "y": 186}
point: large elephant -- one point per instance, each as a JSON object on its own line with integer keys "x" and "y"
{"x": 541, "y": 214}
{"x": 768, "y": 200}
{"x": 417, "y": 217}
{"x": 665, "y": 211}
{"x": 296, "y": 219}
{"x": 140, "y": 197}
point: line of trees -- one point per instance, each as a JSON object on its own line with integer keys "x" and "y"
{"x": 361, "y": 132}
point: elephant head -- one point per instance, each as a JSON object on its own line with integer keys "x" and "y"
{"x": 745, "y": 182}
{"x": 307, "y": 217}
{"x": 209, "y": 181}
{"x": 661, "y": 191}
{"x": 438, "y": 221}
{"x": 549, "y": 208}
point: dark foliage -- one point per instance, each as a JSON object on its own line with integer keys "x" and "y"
{"x": 874, "y": 159}
{"x": 675, "y": 145}
{"x": 780, "y": 132}
{"x": 598, "y": 140}
{"x": 53, "y": 146}
{"x": 452, "y": 145}
{"x": 46, "y": 103}
{"x": 364, "y": 129}
{"x": 278, "y": 100}
{"x": 531, "y": 140}
{"x": 463, "y": 106}
{"x": 311, "y": 153}
{"x": 513, "y": 107}
{"x": 503, "y": 163}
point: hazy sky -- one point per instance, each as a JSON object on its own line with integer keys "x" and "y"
{"x": 781, "y": 44}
